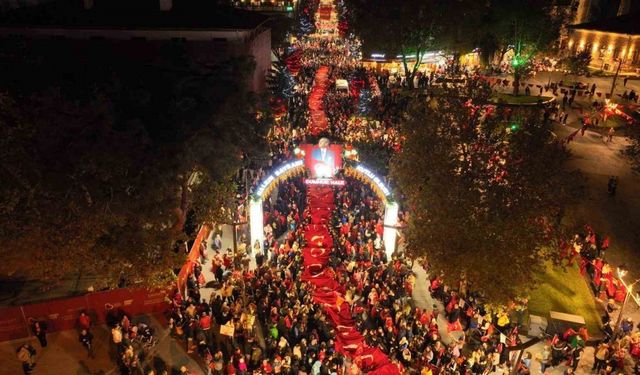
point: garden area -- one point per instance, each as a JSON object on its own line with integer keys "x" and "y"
{"x": 504, "y": 98}
{"x": 565, "y": 291}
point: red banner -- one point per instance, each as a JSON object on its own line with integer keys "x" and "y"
{"x": 12, "y": 324}
{"x": 193, "y": 256}
{"x": 58, "y": 314}
{"x": 63, "y": 314}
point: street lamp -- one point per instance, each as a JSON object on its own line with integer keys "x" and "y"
{"x": 620, "y": 62}
{"x": 622, "y": 272}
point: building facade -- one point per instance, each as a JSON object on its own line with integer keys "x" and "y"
{"x": 611, "y": 42}
{"x": 208, "y": 36}
{"x": 595, "y": 10}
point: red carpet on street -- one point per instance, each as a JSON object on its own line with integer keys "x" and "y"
{"x": 318, "y": 119}
{"x": 328, "y": 292}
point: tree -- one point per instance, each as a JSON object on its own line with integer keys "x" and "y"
{"x": 404, "y": 28}
{"x": 525, "y": 27}
{"x": 578, "y": 63}
{"x": 103, "y": 158}
{"x": 486, "y": 187}
{"x": 632, "y": 151}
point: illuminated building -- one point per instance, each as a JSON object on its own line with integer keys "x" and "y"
{"x": 610, "y": 41}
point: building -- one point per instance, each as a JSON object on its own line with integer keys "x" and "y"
{"x": 209, "y": 33}
{"x": 611, "y": 41}
{"x": 595, "y": 10}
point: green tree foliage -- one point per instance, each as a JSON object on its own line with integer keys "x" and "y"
{"x": 486, "y": 189}
{"x": 578, "y": 63}
{"x": 413, "y": 27}
{"x": 103, "y": 157}
{"x": 404, "y": 28}
{"x": 529, "y": 26}
{"x": 632, "y": 151}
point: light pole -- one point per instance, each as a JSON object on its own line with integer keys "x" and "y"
{"x": 620, "y": 61}
{"x": 235, "y": 226}
{"x": 622, "y": 271}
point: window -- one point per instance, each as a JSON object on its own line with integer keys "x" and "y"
{"x": 634, "y": 59}
{"x": 616, "y": 53}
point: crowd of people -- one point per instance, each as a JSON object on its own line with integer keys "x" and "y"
{"x": 262, "y": 317}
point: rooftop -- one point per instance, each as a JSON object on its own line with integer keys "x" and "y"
{"x": 132, "y": 14}
{"x": 626, "y": 24}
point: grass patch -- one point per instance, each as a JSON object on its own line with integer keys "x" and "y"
{"x": 520, "y": 99}
{"x": 614, "y": 122}
{"x": 567, "y": 292}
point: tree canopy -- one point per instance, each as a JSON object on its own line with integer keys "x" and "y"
{"x": 101, "y": 162}
{"x": 404, "y": 28}
{"x": 413, "y": 27}
{"x": 486, "y": 187}
{"x": 632, "y": 151}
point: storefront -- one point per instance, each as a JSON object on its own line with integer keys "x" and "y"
{"x": 379, "y": 62}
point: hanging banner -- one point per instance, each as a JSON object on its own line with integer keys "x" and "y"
{"x": 12, "y": 324}
{"x": 323, "y": 160}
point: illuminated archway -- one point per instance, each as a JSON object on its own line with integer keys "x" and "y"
{"x": 266, "y": 186}
{"x": 391, "y": 207}
{"x": 294, "y": 168}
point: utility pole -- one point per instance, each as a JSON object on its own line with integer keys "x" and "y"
{"x": 620, "y": 61}
{"x": 619, "y": 320}
{"x": 235, "y": 226}
{"x": 615, "y": 77}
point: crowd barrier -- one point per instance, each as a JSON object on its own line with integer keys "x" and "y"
{"x": 193, "y": 257}
{"x": 62, "y": 314}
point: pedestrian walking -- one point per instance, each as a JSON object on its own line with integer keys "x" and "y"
{"x": 86, "y": 339}
{"x": 612, "y": 185}
{"x": 625, "y": 81}
{"x": 545, "y": 358}
{"x": 565, "y": 99}
{"x": 600, "y": 357}
{"x": 27, "y": 354}
{"x": 39, "y": 329}
{"x": 576, "y": 354}
{"x": 610, "y": 134}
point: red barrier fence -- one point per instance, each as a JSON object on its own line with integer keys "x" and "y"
{"x": 63, "y": 314}
{"x": 193, "y": 257}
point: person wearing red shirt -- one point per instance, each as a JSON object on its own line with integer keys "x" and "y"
{"x": 205, "y": 325}
{"x": 266, "y": 367}
{"x": 84, "y": 321}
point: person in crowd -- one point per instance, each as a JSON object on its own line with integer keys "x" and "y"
{"x": 39, "y": 329}
{"x": 86, "y": 339}
{"x": 26, "y": 354}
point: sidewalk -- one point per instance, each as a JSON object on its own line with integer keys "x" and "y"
{"x": 423, "y": 300}
{"x": 64, "y": 355}
{"x": 603, "y": 84}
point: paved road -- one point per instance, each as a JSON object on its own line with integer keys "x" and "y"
{"x": 65, "y": 356}
{"x": 603, "y": 84}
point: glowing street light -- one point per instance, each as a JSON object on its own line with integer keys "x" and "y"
{"x": 622, "y": 272}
